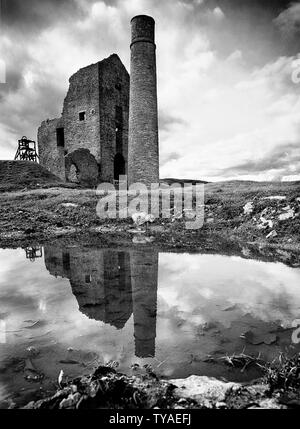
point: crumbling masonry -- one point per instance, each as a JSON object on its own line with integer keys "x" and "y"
{"x": 89, "y": 143}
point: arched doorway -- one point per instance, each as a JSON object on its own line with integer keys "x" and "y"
{"x": 81, "y": 167}
{"x": 119, "y": 166}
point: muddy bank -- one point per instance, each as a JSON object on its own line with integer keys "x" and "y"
{"x": 105, "y": 388}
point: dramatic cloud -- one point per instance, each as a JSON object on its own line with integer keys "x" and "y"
{"x": 289, "y": 21}
{"x": 283, "y": 160}
{"x": 226, "y": 94}
{"x": 33, "y": 15}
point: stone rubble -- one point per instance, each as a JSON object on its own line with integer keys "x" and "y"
{"x": 270, "y": 217}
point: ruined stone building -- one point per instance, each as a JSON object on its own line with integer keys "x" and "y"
{"x": 89, "y": 142}
{"x": 108, "y": 125}
{"x": 111, "y": 285}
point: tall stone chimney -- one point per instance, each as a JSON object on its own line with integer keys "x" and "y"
{"x": 143, "y": 156}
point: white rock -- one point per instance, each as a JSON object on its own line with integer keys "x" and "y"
{"x": 265, "y": 223}
{"x": 272, "y": 234}
{"x": 289, "y": 214}
{"x": 246, "y": 252}
{"x": 69, "y": 205}
{"x": 139, "y": 239}
{"x": 202, "y": 389}
{"x": 139, "y": 218}
{"x": 275, "y": 197}
{"x": 248, "y": 208}
{"x": 150, "y": 218}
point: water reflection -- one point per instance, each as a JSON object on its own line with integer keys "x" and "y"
{"x": 33, "y": 253}
{"x": 111, "y": 285}
{"x": 171, "y": 310}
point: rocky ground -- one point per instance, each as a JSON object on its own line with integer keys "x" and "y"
{"x": 263, "y": 215}
{"x": 105, "y": 388}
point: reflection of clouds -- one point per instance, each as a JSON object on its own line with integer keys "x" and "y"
{"x": 198, "y": 295}
{"x": 202, "y": 283}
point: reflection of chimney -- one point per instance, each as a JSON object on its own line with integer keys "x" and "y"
{"x": 144, "y": 271}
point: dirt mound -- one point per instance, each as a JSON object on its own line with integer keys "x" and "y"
{"x": 16, "y": 175}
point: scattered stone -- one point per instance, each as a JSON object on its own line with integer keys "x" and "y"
{"x": 139, "y": 218}
{"x": 248, "y": 208}
{"x": 104, "y": 229}
{"x": 71, "y": 401}
{"x": 289, "y": 214}
{"x": 246, "y": 252}
{"x": 60, "y": 378}
{"x": 156, "y": 228}
{"x": 272, "y": 234}
{"x": 139, "y": 239}
{"x": 204, "y": 390}
{"x": 275, "y": 197}
{"x": 248, "y": 397}
{"x": 69, "y": 205}
{"x": 137, "y": 231}
{"x": 265, "y": 223}
{"x": 63, "y": 231}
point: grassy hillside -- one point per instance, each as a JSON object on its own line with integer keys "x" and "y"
{"x": 16, "y": 175}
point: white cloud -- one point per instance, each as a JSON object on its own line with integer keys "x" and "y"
{"x": 235, "y": 56}
{"x": 289, "y": 21}
{"x": 218, "y": 13}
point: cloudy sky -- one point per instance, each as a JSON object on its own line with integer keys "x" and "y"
{"x": 229, "y": 101}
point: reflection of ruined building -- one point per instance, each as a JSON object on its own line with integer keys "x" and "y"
{"x": 94, "y": 140}
{"x": 110, "y": 285}
{"x": 89, "y": 142}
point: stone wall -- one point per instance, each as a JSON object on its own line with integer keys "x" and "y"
{"x": 83, "y": 96}
{"x": 51, "y": 156}
{"x": 114, "y": 93}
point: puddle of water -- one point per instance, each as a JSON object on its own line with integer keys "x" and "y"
{"x": 72, "y": 308}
